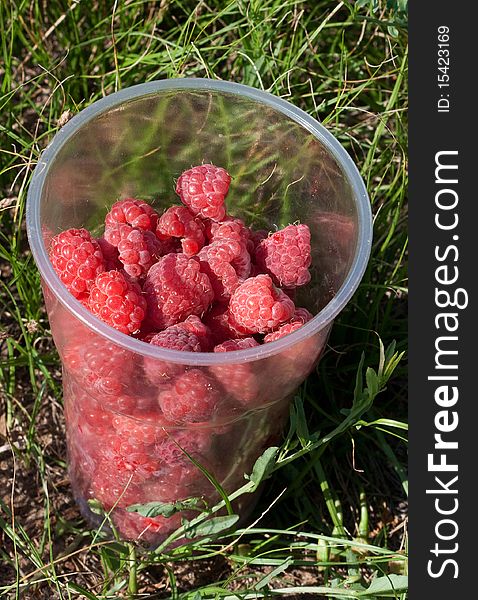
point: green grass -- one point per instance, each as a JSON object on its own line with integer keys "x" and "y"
{"x": 331, "y": 522}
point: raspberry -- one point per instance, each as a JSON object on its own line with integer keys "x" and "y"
{"x": 159, "y": 489}
{"x": 99, "y": 366}
{"x": 133, "y": 212}
{"x": 258, "y": 307}
{"x": 110, "y": 254}
{"x": 87, "y": 412}
{"x": 282, "y": 331}
{"x": 193, "y": 324}
{"x": 231, "y": 345}
{"x": 220, "y": 324}
{"x": 234, "y": 229}
{"x": 127, "y": 459}
{"x": 300, "y": 316}
{"x": 123, "y": 404}
{"x": 106, "y": 488}
{"x": 189, "y": 336}
{"x": 77, "y": 259}
{"x": 174, "y": 289}
{"x": 138, "y": 250}
{"x": 230, "y": 227}
{"x": 179, "y": 222}
{"x": 216, "y": 261}
{"x": 238, "y": 380}
{"x": 143, "y": 429}
{"x": 285, "y": 255}
{"x": 117, "y": 302}
{"x": 175, "y": 337}
{"x": 133, "y": 526}
{"x": 91, "y": 412}
{"x": 195, "y": 443}
{"x": 82, "y": 465}
{"x": 203, "y": 190}
{"x": 191, "y": 398}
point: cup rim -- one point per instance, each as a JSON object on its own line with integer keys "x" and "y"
{"x": 320, "y": 321}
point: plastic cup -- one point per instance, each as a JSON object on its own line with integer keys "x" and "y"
{"x": 286, "y": 168}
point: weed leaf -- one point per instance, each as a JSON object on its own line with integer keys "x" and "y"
{"x": 263, "y": 466}
{"x": 211, "y": 526}
{"x": 167, "y": 509}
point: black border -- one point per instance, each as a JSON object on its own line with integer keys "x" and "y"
{"x": 431, "y": 132}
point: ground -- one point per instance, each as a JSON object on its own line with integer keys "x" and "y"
{"x": 332, "y": 519}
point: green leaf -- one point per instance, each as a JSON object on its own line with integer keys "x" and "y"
{"x": 393, "y": 31}
{"x": 211, "y": 526}
{"x": 389, "y": 585}
{"x": 96, "y": 507}
{"x": 302, "y": 428}
{"x": 167, "y": 509}
{"x": 81, "y": 590}
{"x": 263, "y": 466}
{"x": 359, "y": 381}
{"x": 277, "y": 571}
{"x": 373, "y": 383}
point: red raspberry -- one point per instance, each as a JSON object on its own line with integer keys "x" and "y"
{"x": 189, "y": 336}
{"x": 216, "y": 261}
{"x": 239, "y": 380}
{"x": 125, "y": 458}
{"x": 282, "y": 331}
{"x": 285, "y": 255}
{"x": 191, "y": 399}
{"x": 196, "y": 443}
{"x": 193, "y": 324}
{"x": 179, "y": 222}
{"x": 110, "y": 254}
{"x": 174, "y": 289}
{"x": 234, "y": 229}
{"x": 300, "y": 316}
{"x": 230, "y": 227}
{"x": 258, "y": 307}
{"x": 143, "y": 429}
{"x": 174, "y": 337}
{"x": 99, "y": 366}
{"x": 77, "y": 259}
{"x": 92, "y": 413}
{"x": 106, "y": 487}
{"x": 138, "y": 250}
{"x": 123, "y": 404}
{"x": 163, "y": 490}
{"x": 117, "y": 302}
{"x": 203, "y": 190}
{"x": 231, "y": 345}
{"x": 82, "y": 465}
{"x": 133, "y": 212}
{"x": 133, "y": 526}
{"x": 221, "y": 325}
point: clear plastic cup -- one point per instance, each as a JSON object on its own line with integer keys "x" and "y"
{"x": 286, "y": 168}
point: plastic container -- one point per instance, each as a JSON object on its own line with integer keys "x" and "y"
{"x": 286, "y": 167}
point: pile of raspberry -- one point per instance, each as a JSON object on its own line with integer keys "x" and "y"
{"x": 193, "y": 279}
{"x": 148, "y": 272}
